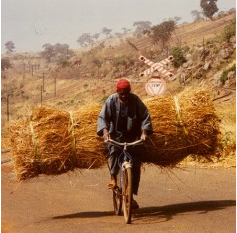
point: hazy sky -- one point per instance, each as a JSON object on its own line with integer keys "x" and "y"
{"x": 32, "y": 23}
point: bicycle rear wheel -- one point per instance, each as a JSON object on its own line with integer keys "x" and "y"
{"x": 127, "y": 195}
{"x": 117, "y": 196}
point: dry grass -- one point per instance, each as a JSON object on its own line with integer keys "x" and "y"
{"x": 185, "y": 124}
{"x": 53, "y": 141}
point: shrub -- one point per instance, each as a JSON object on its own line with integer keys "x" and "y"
{"x": 122, "y": 61}
{"x": 229, "y": 31}
{"x": 224, "y": 75}
{"x": 178, "y": 55}
{"x": 6, "y": 64}
{"x": 97, "y": 62}
{"x": 64, "y": 63}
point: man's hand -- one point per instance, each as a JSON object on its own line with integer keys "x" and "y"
{"x": 106, "y": 134}
{"x": 144, "y": 135}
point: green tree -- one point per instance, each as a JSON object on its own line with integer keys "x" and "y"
{"x": 209, "y": 8}
{"x": 9, "y": 46}
{"x": 178, "y": 55}
{"x": 162, "y": 32}
{"x": 48, "y": 52}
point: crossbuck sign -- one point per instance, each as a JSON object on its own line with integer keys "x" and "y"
{"x": 156, "y": 85}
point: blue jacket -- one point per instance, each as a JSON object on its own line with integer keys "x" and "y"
{"x": 138, "y": 117}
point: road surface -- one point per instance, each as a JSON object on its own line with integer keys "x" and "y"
{"x": 188, "y": 199}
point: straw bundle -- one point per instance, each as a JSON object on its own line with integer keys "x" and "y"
{"x": 54, "y": 142}
{"x": 23, "y": 150}
{"x": 183, "y": 125}
{"x": 89, "y": 147}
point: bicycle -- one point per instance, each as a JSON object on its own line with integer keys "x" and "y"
{"x": 123, "y": 191}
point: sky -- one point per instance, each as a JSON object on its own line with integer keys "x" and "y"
{"x": 30, "y": 24}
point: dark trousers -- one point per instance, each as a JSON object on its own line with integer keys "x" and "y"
{"x": 136, "y": 168}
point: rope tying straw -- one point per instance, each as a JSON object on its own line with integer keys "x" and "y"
{"x": 178, "y": 111}
{"x": 34, "y": 141}
{"x": 73, "y": 136}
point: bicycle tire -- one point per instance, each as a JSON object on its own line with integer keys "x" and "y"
{"x": 127, "y": 195}
{"x": 117, "y": 196}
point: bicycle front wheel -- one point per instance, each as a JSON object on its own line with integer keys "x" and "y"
{"x": 127, "y": 195}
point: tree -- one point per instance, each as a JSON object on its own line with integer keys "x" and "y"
{"x": 48, "y": 52}
{"x": 126, "y": 30}
{"x": 85, "y": 39}
{"x": 141, "y": 26}
{"x": 209, "y": 8}
{"x": 162, "y": 32}
{"x": 196, "y": 14}
{"x": 10, "y": 46}
{"x": 95, "y": 36}
{"x": 106, "y": 31}
{"x": 60, "y": 51}
{"x": 5, "y": 64}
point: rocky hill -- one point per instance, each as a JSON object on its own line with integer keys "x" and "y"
{"x": 90, "y": 75}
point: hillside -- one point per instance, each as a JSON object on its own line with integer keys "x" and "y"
{"x": 90, "y": 75}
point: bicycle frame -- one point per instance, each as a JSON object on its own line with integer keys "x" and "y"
{"x": 125, "y": 161}
{"x": 124, "y": 193}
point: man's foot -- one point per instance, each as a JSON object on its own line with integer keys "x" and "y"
{"x": 112, "y": 183}
{"x": 135, "y": 206}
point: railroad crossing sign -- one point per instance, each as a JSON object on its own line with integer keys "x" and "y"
{"x": 161, "y": 66}
{"x": 155, "y": 86}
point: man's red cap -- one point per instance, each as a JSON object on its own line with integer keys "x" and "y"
{"x": 123, "y": 84}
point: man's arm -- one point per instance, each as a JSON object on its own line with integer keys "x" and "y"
{"x": 104, "y": 119}
{"x": 145, "y": 119}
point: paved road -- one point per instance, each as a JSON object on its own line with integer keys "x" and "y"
{"x": 197, "y": 200}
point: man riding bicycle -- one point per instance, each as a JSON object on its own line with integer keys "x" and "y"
{"x": 124, "y": 118}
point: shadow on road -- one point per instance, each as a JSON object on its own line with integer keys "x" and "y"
{"x": 169, "y": 211}
{"x": 89, "y": 214}
{"x": 163, "y": 212}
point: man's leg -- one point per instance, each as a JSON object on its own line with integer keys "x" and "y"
{"x": 136, "y": 173}
{"x": 114, "y": 167}
{"x": 136, "y": 168}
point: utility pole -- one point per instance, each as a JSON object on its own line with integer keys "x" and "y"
{"x": 55, "y": 86}
{"x": 41, "y": 95}
{"x": 43, "y": 82}
{"x": 24, "y": 65}
{"x": 7, "y": 107}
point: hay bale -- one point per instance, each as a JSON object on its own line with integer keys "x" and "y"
{"x": 23, "y": 150}
{"x": 89, "y": 147}
{"x": 183, "y": 125}
{"x": 53, "y": 142}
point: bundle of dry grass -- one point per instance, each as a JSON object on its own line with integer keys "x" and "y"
{"x": 52, "y": 142}
{"x": 89, "y": 147}
{"x": 23, "y": 150}
{"x": 183, "y": 125}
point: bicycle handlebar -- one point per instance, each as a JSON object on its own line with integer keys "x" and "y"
{"x": 124, "y": 143}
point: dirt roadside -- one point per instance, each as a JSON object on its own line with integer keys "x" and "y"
{"x": 188, "y": 199}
